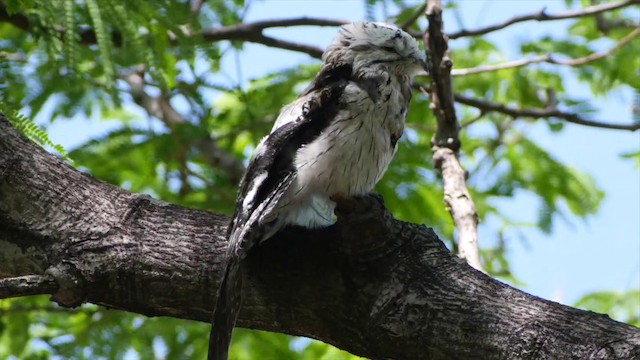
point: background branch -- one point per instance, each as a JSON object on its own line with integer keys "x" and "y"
{"x": 253, "y": 32}
{"x": 487, "y": 106}
{"x": 548, "y": 58}
{"x": 543, "y": 16}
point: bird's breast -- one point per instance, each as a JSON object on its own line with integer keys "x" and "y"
{"x": 353, "y": 152}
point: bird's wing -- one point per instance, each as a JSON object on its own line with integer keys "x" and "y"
{"x": 270, "y": 173}
{"x": 272, "y": 170}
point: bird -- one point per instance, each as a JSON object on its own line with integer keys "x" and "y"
{"x": 335, "y": 141}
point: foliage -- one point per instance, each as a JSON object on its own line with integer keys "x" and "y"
{"x": 145, "y": 64}
{"x": 30, "y": 129}
{"x": 618, "y": 305}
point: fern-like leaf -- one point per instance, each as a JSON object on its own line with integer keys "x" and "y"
{"x": 70, "y": 36}
{"x": 31, "y": 130}
{"x": 104, "y": 45}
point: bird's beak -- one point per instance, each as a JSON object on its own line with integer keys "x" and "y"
{"x": 423, "y": 64}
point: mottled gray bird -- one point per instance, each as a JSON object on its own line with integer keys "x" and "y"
{"x": 335, "y": 141}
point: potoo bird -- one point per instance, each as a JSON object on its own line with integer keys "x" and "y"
{"x": 334, "y": 141}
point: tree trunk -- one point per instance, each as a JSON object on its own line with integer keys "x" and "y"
{"x": 371, "y": 285}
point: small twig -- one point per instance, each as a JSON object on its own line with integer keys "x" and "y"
{"x": 473, "y": 120}
{"x": 299, "y": 21}
{"x": 548, "y": 58}
{"x": 596, "y": 56}
{"x": 27, "y": 285}
{"x": 606, "y": 25}
{"x": 571, "y": 117}
{"x": 501, "y": 66}
{"x": 253, "y": 32}
{"x": 446, "y": 142}
{"x": 543, "y": 16}
{"x": 414, "y": 17}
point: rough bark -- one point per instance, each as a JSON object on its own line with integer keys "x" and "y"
{"x": 371, "y": 285}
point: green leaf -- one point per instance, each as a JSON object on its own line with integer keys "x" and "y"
{"x": 634, "y": 156}
{"x": 621, "y": 306}
{"x": 31, "y": 130}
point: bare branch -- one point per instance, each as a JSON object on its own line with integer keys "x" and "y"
{"x": 253, "y": 32}
{"x": 26, "y": 285}
{"x": 571, "y": 117}
{"x": 606, "y": 25}
{"x": 596, "y": 56}
{"x": 548, "y": 58}
{"x": 446, "y": 142}
{"x": 300, "y": 21}
{"x": 543, "y": 16}
{"x": 501, "y": 66}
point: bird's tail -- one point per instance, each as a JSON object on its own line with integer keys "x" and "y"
{"x": 226, "y": 311}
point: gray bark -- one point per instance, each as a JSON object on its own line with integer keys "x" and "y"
{"x": 371, "y": 285}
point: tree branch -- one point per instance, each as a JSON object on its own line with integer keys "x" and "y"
{"x": 596, "y": 56}
{"x": 160, "y": 107}
{"x": 26, "y": 285}
{"x": 253, "y": 32}
{"x": 446, "y": 142}
{"x": 543, "y": 16}
{"x": 371, "y": 285}
{"x": 571, "y": 117}
{"x": 548, "y": 58}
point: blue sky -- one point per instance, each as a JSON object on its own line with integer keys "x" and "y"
{"x": 602, "y": 253}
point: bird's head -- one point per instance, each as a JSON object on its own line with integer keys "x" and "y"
{"x": 367, "y": 44}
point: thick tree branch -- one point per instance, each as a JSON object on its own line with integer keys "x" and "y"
{"x": 548, "y": 58}
{"x": 371, "y": 285}
{"x": 543, "y": 16}
{"x": 446, "y": 142}
{"x": 551, "y": 112}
